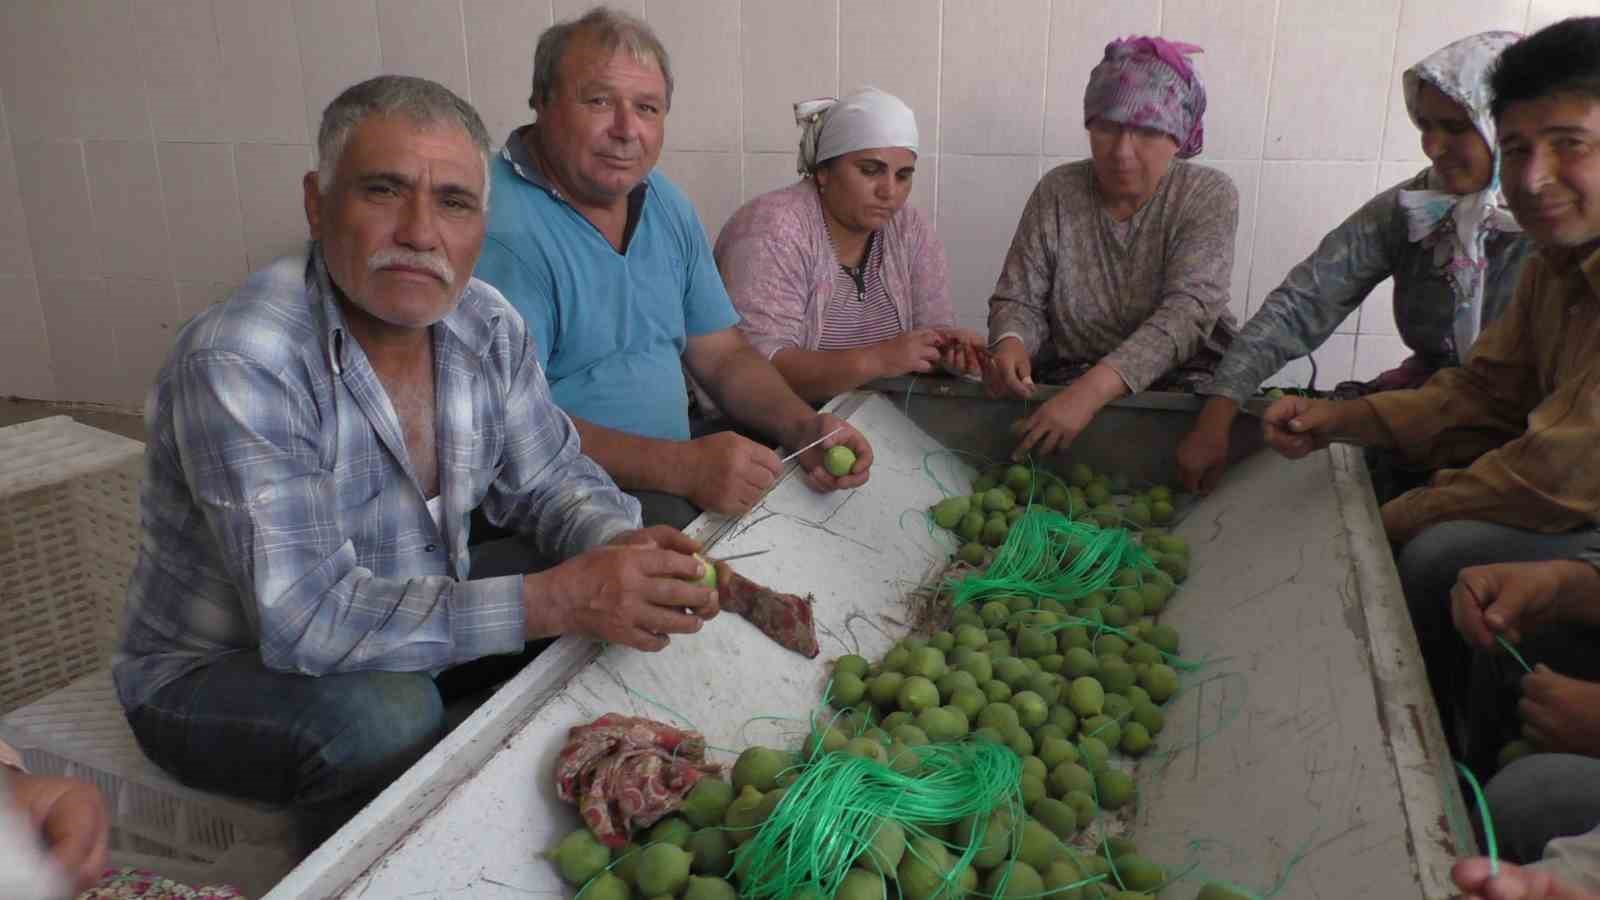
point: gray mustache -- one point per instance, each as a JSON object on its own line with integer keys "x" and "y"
{"x": 437, "y": 266}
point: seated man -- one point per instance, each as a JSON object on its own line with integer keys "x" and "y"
{"x": 1520, "y": 420}
{"x": 316, "y": 445}
{"x": 610, "y": 266}
{"x": 1550, "y": 612}
{"x": 1117, "y": 277}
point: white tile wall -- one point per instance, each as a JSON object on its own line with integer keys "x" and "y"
{"x": 272, "y": 199}
{"x": 202, "y": 194}
{"x": 1299, "y": 202}
{"x": 1246, "y": 177}
{"x": 1079, "y": 32}
{"x": 980, "y": 199}
{"x": 338, "y": 42}
{"x": 703, "y": 40}
{"x": 711, "y": 179}
{"x": 789, "y": 52}
{"x": 765, "y": 172}
{"x": 1548, "y": 12}
{"x": 83, "y": 351}
{"x": 1377, "y": 353}
{"x": 130, "y": 223}
{"x": 1236, "y": 67}
{"x": 55, "y": 198}
{"x": 184, "y": 75}
{"x": 262, "y": 85}
{"x": 991, "y": 90}
{"x": 16, "y": 259}
{"x": 150, "y": 150}
{"x": 1335, "y": 363}
{"x": 25, "y": 366}
{"x": 894, "y": 45}
{"x": 426, "y": 38}
{"x": 500, "y": 39}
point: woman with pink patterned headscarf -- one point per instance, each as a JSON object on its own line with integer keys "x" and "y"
{"x": 1117, "y": 278}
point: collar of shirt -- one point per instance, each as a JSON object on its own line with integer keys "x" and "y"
{"x": 515, "y": 152}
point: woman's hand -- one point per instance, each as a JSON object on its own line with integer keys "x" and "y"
{"x": 1009, "y": 372}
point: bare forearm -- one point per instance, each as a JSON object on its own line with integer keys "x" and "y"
{"x": 1218, "y": 413}
{"x": 753, "y": 392}
{"x": 634, "y": 462}
{"x": 819, "y": 375}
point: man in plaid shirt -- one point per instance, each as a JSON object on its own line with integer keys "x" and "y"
{"x": 317, "y": 444}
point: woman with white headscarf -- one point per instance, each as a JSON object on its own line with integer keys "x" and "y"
{"x": 1444, "y": 235}
{"x": 837, "y": 279}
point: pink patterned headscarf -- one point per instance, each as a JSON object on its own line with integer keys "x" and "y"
{"x": 1147, "y": 82}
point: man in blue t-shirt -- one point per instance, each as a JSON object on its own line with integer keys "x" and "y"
{"x": 610, "y": 266}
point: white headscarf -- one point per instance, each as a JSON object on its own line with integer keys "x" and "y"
{"x": 864, "y": 119}
{"x": 1461, "y": 223}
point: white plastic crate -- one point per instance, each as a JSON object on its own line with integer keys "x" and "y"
{"x": 69, "y": 532}
{"x": 80, "y": 731}
{"x": 69, "y": 537}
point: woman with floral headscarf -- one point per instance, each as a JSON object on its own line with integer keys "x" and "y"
{"x": 1117, "y": 278}
{"x": 1445, "y": 235}
{"x": 837, "y": 279}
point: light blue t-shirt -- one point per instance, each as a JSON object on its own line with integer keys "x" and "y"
{"x": 609, "y": 328}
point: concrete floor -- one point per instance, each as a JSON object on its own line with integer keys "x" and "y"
{"x": 14, "y": 411}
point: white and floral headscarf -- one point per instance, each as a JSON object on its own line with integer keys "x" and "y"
{"x": 1459, "y": 225}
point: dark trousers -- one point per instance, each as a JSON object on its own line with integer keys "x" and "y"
{"x": 323, "y": 745}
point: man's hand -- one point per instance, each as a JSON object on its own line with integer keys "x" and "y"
{"x": 1560, "y": 714}
{"x": 637, "y": 591}
{"x": 1203, "y": 452}
{"x": 1515, "y": 599}
{"x": 1295, "y": 426}
{"x": 1513, "y": 883}
{"x": 811, "y": 460}
{"x": 1009, "y": 372}
{"x": 728, "y": 473}
{"x": 962, "y": 351}
{"x": 913, "y": 352}
{"x": 71, "y": 815}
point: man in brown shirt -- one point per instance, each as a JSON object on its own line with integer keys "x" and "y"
{"x": 1515, "y": 430}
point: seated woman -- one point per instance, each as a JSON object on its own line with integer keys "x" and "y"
{"x": 1117, "y": 278}
{"x": 837, "y": 279}
{"x": 1444, "y": 234}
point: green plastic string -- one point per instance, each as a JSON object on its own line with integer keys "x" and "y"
{"x": 1046, "y": 554}
{"x": 830, "y": 814}
{"x": 1483, "y": 813}
{"x": 1514, "y": 654}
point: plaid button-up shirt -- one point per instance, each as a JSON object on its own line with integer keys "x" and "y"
{"x": 279, "y": 511}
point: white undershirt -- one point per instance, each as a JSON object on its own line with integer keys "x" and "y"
{"x": 436, "y": 512}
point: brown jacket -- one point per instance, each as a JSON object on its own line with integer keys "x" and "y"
{"x": 1521, "y": 419}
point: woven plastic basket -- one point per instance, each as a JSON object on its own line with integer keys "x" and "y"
{"x": 69, "y": 537}
{"x": 69, "y": 532}
{"x": 80, "y": 731}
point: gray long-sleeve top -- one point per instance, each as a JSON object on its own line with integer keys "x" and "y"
{"x": 1352, "y": 259}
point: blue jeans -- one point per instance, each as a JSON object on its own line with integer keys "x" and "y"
{"x": 1542, "y": 797}
{"x": 322, "y": 745}
{"x": 1429, "y": 564}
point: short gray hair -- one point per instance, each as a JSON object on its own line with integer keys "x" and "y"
{"x": 611, "y": 29}
{"x": 418, "y": 99}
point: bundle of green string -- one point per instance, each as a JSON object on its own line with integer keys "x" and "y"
{"x": 1047, "y": 554}
{"x": 832, "y": 812}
